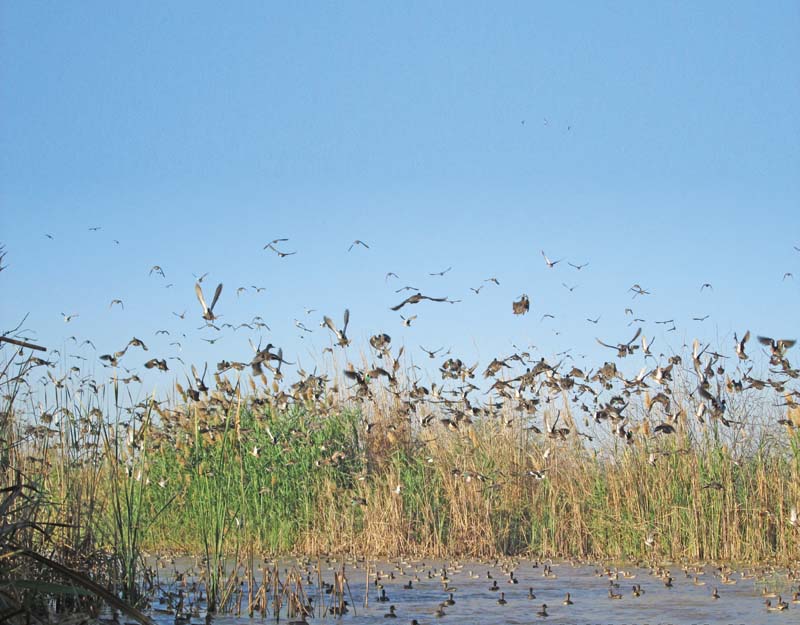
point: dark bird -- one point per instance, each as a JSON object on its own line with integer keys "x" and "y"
{"x": 117, "y": 301}
{"x": 700, "y": 318}
{"x": 208, "y": 311}
{"x": 594, "y": 321}
{"x": 391, "y": 274}
{"x": 357, "y": 242}
{"x": 638, "y": 290}
{"x": 416, "y": 299}
{"x": 778, "y": 347}
{"x": 272, "y": 243}
{"x": 492, "y": 280}
{"x": 623, "y": 349}
{"x": 522, "y": 306}
{"x": 95, "y": 228}
{"x": 578, "y": 267}
{"x": 161, "y": 365}
{"x": 440, "y": 273}
{"x": 431, "y": 353}
{"x": 158, "y": 270}
{"x": 706, "y": 285}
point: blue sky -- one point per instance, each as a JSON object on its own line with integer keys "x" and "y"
{"x": 660, "y": 142}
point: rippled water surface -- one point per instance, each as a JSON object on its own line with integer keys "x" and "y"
{"x": 685, "y": 602}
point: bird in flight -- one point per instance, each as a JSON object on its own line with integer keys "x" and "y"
{"x": 158, "y": 270}
{"x": 550, "y": 263}
{"x": 440, "y": 273}
{"x": 408, "y": 320}
{"x": 706, "y": 285}
{"x": 341, "y": 335}
{"x": 391, "y": 274}
{"x": 521, "y": 306}
{"x": 208, "y": 311}
{"x": 117, "y": 301}
{"x": 578, "y": 267}
{"x": 416, "y": 299}
{"x": 357, "y": 242}
{"x": 638, "y": 290}
{"x": 594, "y": 321}
{"x": 95, "y": 228}
{"x": 68, "y": 318}
{"x": 700, "y": 318}
{"x": 495, "y": 280}
{"x": 431, "y": 353}
{"x": 272, "y": 243}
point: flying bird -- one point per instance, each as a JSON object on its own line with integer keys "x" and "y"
{"x": 68, "y": 318}
{"x": 578, "y": 267}
{"x": 117, "y": 301}
{"x": 357, "y": 242}
{"x": 341, "y": 335}
{"x": 521, "y": 306}
{"x": 208, "y": 311}
{"x": 273, "y": 242}
{"x": 550, "y": 263}
{"x": 158, "y": 270}
{"x": 416, "y": 299}
{"x": 706, "y": 285}
{"x": 440, "y": 273}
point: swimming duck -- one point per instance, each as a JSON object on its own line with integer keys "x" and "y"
{"x": 494, "y": 587}
{"x": 383, "y": 598}
{"x": 778, "y": 607}
{"x": 567, "y": 600}
{"x": 450, "y": 600}
{"x": 390, "y": 613}
{"x": 502, "y": 599}
{"x": 530, "y": 594}
{"x": 715, "y": 594}
{"x": 543, "y": 611}
{"x": 613, "y": 595}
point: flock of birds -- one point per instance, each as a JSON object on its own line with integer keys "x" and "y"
{"x": 518, "y": 384}
{"x": 541, "y": 588}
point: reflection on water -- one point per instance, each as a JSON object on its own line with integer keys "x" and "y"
{"x": 418, "y": 589}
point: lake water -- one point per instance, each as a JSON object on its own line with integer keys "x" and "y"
{"x": 686, "y": 602}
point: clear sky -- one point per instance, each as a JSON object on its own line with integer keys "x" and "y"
{"x": 658, "y": 141}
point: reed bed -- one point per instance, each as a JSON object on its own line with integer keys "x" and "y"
{"x": 321, "y": 474}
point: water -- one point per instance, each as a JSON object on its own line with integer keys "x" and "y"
{"x": 683, "y": 604}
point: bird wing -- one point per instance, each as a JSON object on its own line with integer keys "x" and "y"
{"x": 346, "y": 319}
{"x": 217, "y": 293}
{"x": 401, "y": 304}
{"x": 764, "y": 340}
{"x": 199, "y": 291}
{"x": 329, "y": 322}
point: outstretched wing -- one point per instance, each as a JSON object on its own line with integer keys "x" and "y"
{"x": 199, "y": 291}
{"x": 217, "y": 293}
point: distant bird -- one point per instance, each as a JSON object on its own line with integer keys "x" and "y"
{"x": 700, "y": 318}
{"x": 273, "y": 242}
{"x": 68, "y": 318}
{"x": 476, "y": 291}
{"x": 547, "y": 316}
{"x": 408, "y": 320}
{"x": 180, "y": 316}
{"x": 391, "y": 274}
{"x": 740, "y": 345}
{"x": 95, "y": 228}
{"x": 341, "y": 335}
{"x": 778, "y": 347}
{"x": 594, "y": 321}
{"x": 578, "y": 267}
{"x": 357, "y": 242}
{"x": 161, "y": 365}
{"x": 569, "y": 288}
{"x": 788, "y": 274}
{"x": 117, "y": 301}
{"x": 208, "y": 311}
{"x": 492, "y": 280}
{"x": 550, "y": 263}
{"x": 431, "y": 353}
{"x": 706, "y": 285}
{"x": 623, "y": 349}
{"x": 521, "y": 306}
{"x": 49, "y": 236}
{"x": 638, "y": 290}
{"x": 416, "y": 299}
{"x": 158, "y": 270}
{"x": 440, "y": 273}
